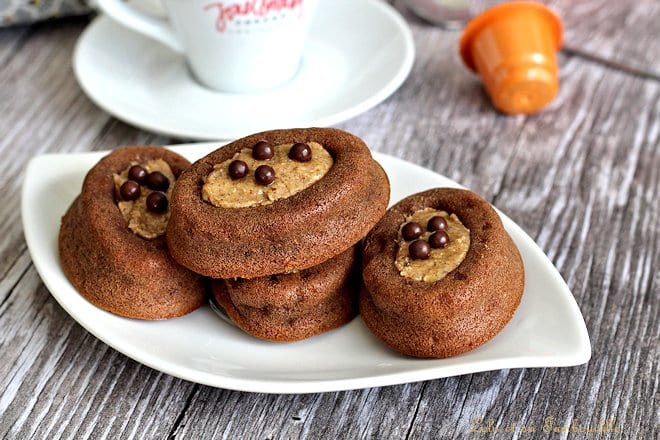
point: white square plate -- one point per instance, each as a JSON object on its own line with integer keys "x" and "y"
{"x": 547, "y": 330}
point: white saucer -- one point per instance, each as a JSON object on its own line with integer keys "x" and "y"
{"x": 358, "y": 54}
{"x": 547, "y": 330}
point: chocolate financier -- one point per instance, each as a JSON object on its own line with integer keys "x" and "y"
{"x": 111, "y": 241}
{"x": 294, "y": 306}
{"x": 274, "y": 202}
{"x": 441, "y": 276}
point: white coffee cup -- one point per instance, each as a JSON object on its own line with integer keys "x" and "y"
{"x": 229, "y": 45}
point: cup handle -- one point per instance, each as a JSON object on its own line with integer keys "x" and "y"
{"x": 158, "y": 29}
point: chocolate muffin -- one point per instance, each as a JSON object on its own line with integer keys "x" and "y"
{"x": 294, "y": 306}
{"x": 111, "y": 242}
{"x": 274, "y": 202}
{"x": 441, "y": 276}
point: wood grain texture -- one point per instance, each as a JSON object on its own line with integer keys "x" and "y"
{"x": 582, "y": 178}
{"x": 623, "y": 33}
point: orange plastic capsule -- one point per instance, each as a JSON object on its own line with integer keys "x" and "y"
{"x": 513, "y": 47}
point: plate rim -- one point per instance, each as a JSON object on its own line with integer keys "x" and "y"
{"x": 389, "y": 87}
{"x": 580, "y": 355}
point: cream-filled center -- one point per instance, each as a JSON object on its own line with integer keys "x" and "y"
{"x": 142, "y": 221}
{"x": 440, "y": 261}
{"x": 291, "y": 177}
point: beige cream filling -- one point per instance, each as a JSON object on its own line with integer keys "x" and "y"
{"x": 441, "y": 261}
{"x": 142, "y": 222}
{"x": 291, "y": 177}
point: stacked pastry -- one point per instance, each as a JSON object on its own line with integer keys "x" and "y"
{"x": 275, "y": 219}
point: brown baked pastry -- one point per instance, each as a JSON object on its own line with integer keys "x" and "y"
{"x": 294, "y": 306}
{"x": 112, "y": 246}
{"x": 445, "y": 315}
{"x": 276, "y": 232}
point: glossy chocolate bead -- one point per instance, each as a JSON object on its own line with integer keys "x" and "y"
{"x": 436, "y": 223}
{"x": 439, "y": 239}
{"x": 411, "y": 231}
{"x": 262, "y": 150}
{"x": 264, "y": 175}
{"x": 137, "y": 174}
{"x": 419, "y": 250}
{"x": 238, "y": 169}
{"x": 130, "y": 190}
{"x": 300, "y": 152}
{"x": 157, "y": 202}
{"x": 157, "y": 181}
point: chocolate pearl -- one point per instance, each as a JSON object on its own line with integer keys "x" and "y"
{"x": 419, "y": 250}
{"x": 439, "y": 239}
{"x": 300, "y": 152}
{"x": 137, "y": 174}
{"x": 411, "y": 231}
{"x": 157, "y": 202}
{"x": 130, "y": 190}
{"x": 436, "y": 223}
{"x": 262, "y": 150}
{"x": 264, "y": 175}
{"x": 238, "y": 169}
{"x": 157, "y": 181}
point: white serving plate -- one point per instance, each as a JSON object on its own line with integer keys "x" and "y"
{"x": 359, "y": 52}
{"x": 547, "y": 330}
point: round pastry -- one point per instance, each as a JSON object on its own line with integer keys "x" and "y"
{"x": 441, "y": 276}
{"x": 274, "y": 202}
{"x": 294, "y": 306}
{"x": 111, "y": 242}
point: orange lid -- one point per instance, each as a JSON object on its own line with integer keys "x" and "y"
{"x": 513, "y": 48}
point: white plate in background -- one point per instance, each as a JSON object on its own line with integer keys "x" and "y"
{"x": 547, "y": 330}
{"x": 358, "y": 53}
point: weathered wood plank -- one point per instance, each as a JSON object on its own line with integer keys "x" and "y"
{"x": 581, "y": 177}
{"x": 11, "y": 40}
{"x": 623, "y": 33}
{"x": 63, "y": 382}
{"x": 365, "y": 413}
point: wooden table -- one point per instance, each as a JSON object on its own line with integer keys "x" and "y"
{"x": 582, "y": 178}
